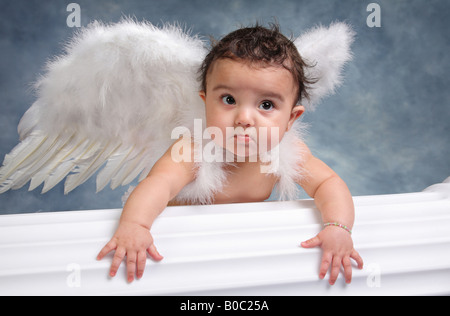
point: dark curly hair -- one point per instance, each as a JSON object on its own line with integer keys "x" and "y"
{"x": 262, "y": 47}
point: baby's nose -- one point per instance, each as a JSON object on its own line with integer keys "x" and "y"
{"x": 244, "y": 117}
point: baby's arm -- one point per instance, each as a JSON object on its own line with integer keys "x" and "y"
{"x": 334, "y": 201}
{"x": 132, "y": 238}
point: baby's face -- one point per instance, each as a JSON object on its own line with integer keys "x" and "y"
{"x": 251, "y": 106}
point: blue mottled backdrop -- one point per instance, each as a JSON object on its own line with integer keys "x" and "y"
{"x": 387, "y": 130}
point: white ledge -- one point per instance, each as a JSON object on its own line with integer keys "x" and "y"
{"x": 235, "y": 249}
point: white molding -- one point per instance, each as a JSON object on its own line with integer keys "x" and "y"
{"x": 235, "y": 249}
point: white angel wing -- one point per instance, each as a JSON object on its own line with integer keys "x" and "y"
{"x": 327, "y": 49}
{"x": 113, "y": 97}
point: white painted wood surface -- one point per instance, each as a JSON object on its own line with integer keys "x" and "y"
{"x": 235, "y": 249}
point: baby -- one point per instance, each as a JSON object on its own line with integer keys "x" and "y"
{"x": 252, "y": 81}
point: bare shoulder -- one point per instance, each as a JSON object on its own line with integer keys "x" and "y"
{"x": 316, "y": 170}
{"x": 177, "y": 163}
{"x": 305, "y": 151}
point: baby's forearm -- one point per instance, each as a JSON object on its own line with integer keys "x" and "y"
{"x": 151, "y": 196}
{"x": 334, "y": 201}
{"x": 146, "y": 202}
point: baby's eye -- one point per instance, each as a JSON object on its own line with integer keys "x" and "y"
{"x": 228, "y": 99}
{"x": 266, "y": 105}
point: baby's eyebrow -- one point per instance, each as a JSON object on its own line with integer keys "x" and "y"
{"x": 265, "y": 94}
{"x": 273, "y": 95}
{"x": 221, "y": 87}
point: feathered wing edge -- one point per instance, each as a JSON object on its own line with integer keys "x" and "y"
{"x": 112, "y": 98}
{"x": 46, "y": 159}
{"x": 326, "y": 50}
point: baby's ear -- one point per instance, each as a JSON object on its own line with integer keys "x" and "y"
{"x": 296, "y": 112}
{"x": 202, "y": 95}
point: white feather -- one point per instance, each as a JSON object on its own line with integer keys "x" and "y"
{"x": 132, "y": 167}
{"x": 64, "y": 150}
{"x": 86, "y": 168}
{"x": 112, "y": 167}
{"x": 64, "y": 165}
{"x": 20, "y": 154}
{"x": 210, "y": 178}
{"x": 20, "y": 160}
{"x": 42, "y": 157}
{"x": 327, "y": 50}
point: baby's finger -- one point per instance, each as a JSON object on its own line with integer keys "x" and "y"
{"x": 355, "y": 256}
{"x": 326, "y": 261}
{"x": 311, "y": 243}
{"x": 117, "y": 260}
{"x": 335, "y": 268}
{"x": 141, "y": 261}
{"x": 346, "y": 263}
{"x": 153, "y": 252}
{"x": 110, "y": 246}
{"x": 131, "y": 265}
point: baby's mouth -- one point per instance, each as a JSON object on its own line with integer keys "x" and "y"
{"x": 245, "y": 136}
{"x": 245, "y": 139}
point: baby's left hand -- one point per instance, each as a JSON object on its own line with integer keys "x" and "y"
{"x": 337, "y": 246}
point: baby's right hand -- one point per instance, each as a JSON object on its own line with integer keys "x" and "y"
{"x": 133, "y": 241}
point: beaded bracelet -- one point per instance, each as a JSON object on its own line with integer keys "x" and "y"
{"x": 338, "y": 225}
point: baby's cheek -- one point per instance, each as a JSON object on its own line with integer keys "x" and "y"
{"x": 269, "y": 138}
{"x": 216, "y": 134}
